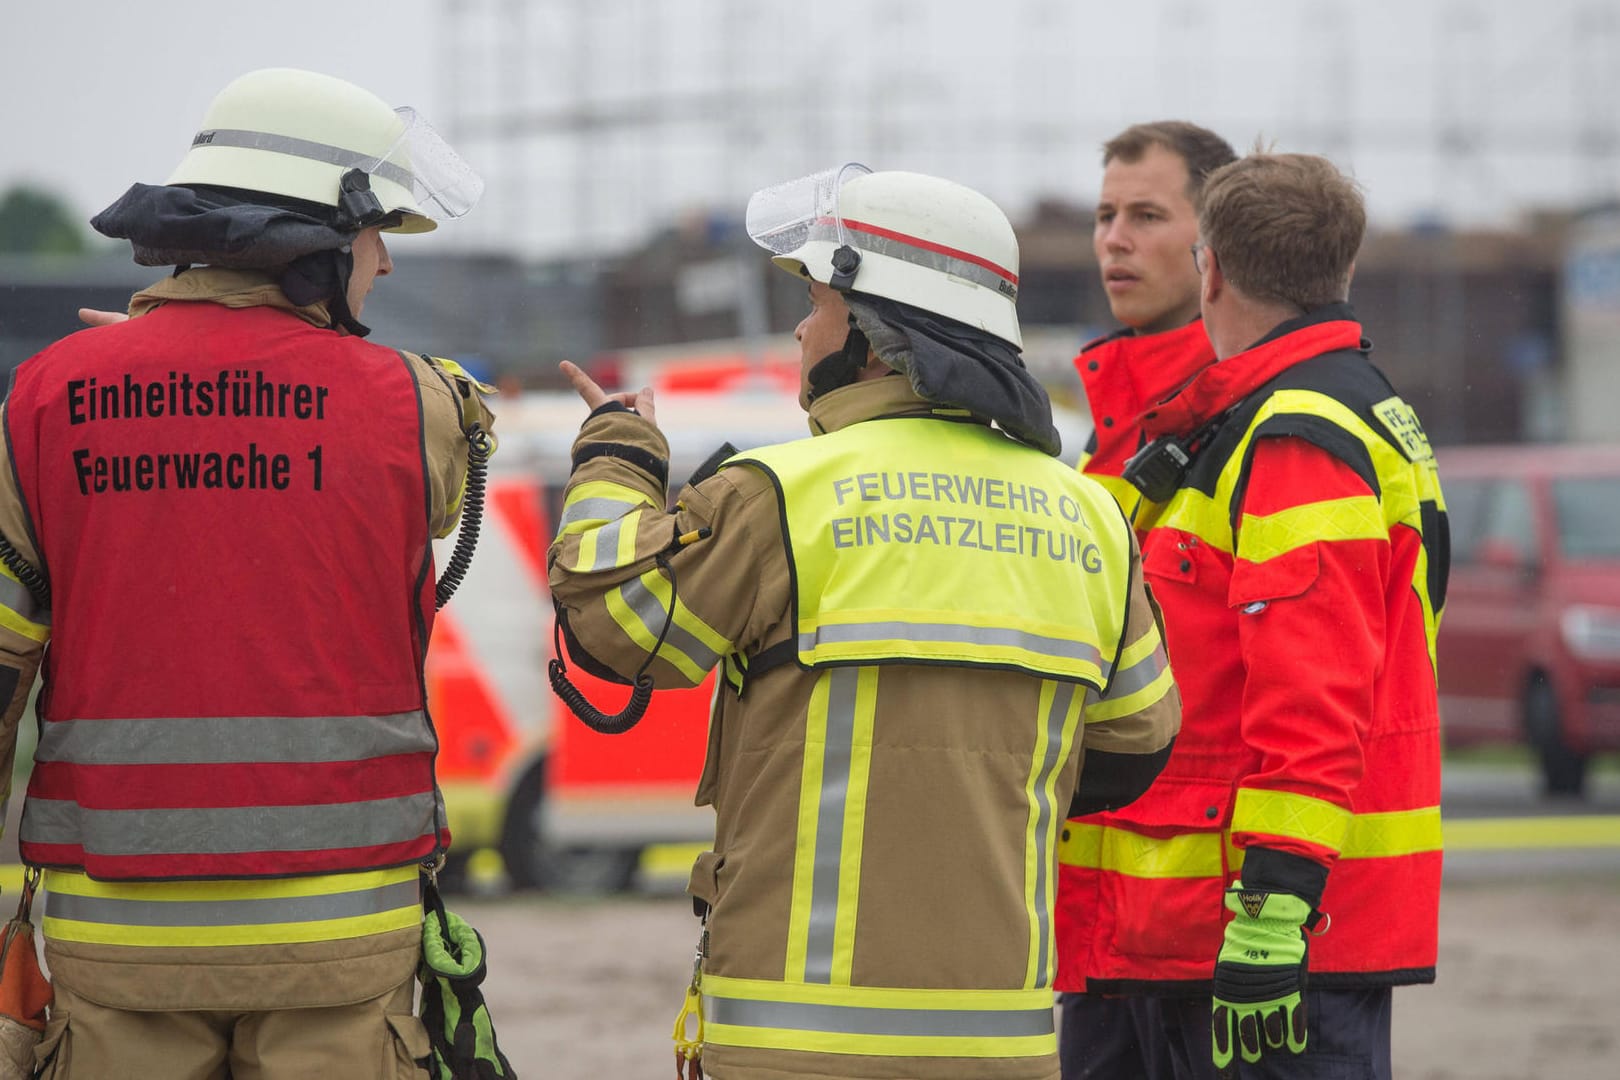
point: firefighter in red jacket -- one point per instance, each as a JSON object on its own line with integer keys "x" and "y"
{"x": 1294, "y": 533}
{"x": 1146, "y": 222}
{"x": 219, "y": 514}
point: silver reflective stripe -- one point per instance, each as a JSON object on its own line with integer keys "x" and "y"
{"x": 825, "y": 879}
{"x": 919, "y": 256}
{"x": 1062, "y": 698}
{"x": 607, "y": 546}
{"x": 229, "y": 830}
{"x": 1139, "y": 675}
{"x": 652, "y": 613}
{"x": 234, "y": 739}
{"x": 855, "y": 1020}
{"x": 15, "y": 596}
{"x": 599, "y": 508}
{"x": 246, "y": 912}
{"x": 304, "y": 148}
{"x": 1037, "y": 644}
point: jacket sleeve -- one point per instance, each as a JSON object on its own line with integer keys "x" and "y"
{"x": 1310, "y": 578}
{"x": 1129, "y": 730}
{"x": 24, "y": 626}
{"x": 607, "y": 584}
{"x": 452, "y": 402}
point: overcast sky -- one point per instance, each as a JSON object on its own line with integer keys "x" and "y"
{"x": 636, "y": 111}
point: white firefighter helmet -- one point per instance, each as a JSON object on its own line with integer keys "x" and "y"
{"x": 918, "y": 239}
{"x": 297, "y": 134}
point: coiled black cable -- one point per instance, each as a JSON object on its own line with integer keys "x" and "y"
{"x": 32, "y": 579}
{"x": 642, "y": 690}
{"x": 479, "y": 447}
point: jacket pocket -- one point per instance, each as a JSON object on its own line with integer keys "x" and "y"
{"x": 53, "y": 1056}
{"x": 411, "y": 1053}
{"x": 704, "y": 884}
{"x": 1279, "y": 578}
{"x": 1171, "y": 557}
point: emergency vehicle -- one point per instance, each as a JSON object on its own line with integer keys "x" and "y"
{"x": 563, "y": 805}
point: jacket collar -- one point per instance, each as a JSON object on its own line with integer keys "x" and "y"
{"x": 1127, "y": 373}
{"x": 1221, "y": 385}
{"x": 889, "y": 396}
{"x": 229, "y": 288}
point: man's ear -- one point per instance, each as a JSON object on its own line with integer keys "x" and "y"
{"x": 1213, "y": 283}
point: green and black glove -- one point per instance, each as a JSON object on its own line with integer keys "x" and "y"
{"x": 1260, "y": 977}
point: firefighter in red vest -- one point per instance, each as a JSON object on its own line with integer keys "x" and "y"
{"x": 219, "y": 514}
{"x": 1293, "y": 530}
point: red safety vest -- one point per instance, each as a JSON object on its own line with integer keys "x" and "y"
{"x": 231, "y": 505}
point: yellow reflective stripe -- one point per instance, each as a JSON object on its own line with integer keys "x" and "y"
{"x": 1298, "y": 817}
{"x": 640, "y": 606}
{"x": 1193, "y": 511}
{"x": 804, "y": 842}
{"x": 959, "y": 636}
{"x": 1120, "y": 851}
{"x": 849, "y": 869}
{"x": 1059, "y": 717}
{"x": 254, "y": 896}
{"x": 596, "y": 502}
{"x": 880, "y": 1021}
{"x": 1112, "y": 708}
{"x": 1356, "y": 518}
{"x": 33, "y": 631}
{"x": 829, "y": 1042}
{"x": 1397, "y": 832}
{"x": 608, "y": 546}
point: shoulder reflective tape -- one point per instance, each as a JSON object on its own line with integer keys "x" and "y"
{"x": 1358, "y": 518}
{"x": 1060, "y": 715}
{"x": 920, "y": 252}
{"x": 230, "y": 830}
{"x": 304, "y": 148}
{"x": 215, "y": 740}
{"x": 1298, "y": 817}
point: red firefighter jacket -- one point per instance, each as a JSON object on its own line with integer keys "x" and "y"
{"x": 1301, "y": 567}
{"x": 203, "y": 485}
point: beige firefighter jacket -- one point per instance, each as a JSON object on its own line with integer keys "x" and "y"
{"x": 935, "y": 885}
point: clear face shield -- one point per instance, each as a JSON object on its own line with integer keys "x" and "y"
{"x": 783, "y": 218}
{"x": 442, "y": 185}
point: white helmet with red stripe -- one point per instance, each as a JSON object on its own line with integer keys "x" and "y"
{"x": 917, "y": 239}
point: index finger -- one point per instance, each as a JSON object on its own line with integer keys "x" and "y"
{"x": 585, "y": 386}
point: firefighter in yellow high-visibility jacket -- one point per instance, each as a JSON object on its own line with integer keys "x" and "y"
{"x": 930, "y": 631}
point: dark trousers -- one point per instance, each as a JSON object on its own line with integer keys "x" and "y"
{"x": 1168, "y": 1038}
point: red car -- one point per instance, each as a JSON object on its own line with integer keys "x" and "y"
{"x": 1529, "y": 648}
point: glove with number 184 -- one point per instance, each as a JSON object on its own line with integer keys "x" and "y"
{"x": 1259, "y": 1006}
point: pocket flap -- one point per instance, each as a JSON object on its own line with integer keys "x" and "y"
{"x": 1174, "y": 806}
{"x": 1167, "y": 558}
{"x": 412, "y": 1035}
{"x": 704, "y": 884}
{"x": 1278, "y": 578}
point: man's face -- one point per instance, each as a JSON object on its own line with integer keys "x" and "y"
{"x": 1145, "y": 228}
{"x": 371, "y": 262}
{"x": 820, "y": 333}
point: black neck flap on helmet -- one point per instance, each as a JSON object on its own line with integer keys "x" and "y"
{"x": 308, "y": 244}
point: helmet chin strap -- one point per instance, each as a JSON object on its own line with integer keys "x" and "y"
{"x": 840, "y": 368}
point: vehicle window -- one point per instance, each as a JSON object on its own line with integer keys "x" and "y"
{"x": 1510, "y": 524}
{"x": 1587, "y": 509}
{"x": 1465, "y": 502}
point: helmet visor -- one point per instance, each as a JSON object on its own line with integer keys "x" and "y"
{"x": 780, "y": 217}
{"x": 443, "y": 185}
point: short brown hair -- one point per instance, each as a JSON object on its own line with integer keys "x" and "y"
{"x": 1200, "y": 149}
{"x": 1284, "y": 227}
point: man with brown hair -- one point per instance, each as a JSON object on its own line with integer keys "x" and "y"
{"x": 1146, "y": 222}
{"x": 1294, "y": 532}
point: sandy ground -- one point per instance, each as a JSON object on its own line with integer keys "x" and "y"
{"x": 1529, "y": 983}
